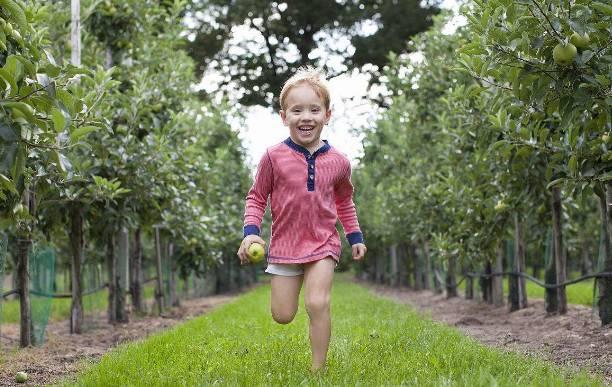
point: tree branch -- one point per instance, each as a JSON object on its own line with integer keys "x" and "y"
{"x": 547, "y": 19}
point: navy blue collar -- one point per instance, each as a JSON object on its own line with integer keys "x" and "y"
{"x": 305, "y": 151}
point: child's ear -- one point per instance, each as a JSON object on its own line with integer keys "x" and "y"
{"x": 328, "y": 115}
{"x": 283, "y": 117}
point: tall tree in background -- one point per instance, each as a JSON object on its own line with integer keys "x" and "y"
{"x": 289, "y": 34}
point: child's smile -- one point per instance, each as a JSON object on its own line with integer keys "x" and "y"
{"x": 305, "y": 115}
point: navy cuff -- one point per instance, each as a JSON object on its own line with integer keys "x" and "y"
{"x": 355, "y": 237}
{"x": 250, "y": 229}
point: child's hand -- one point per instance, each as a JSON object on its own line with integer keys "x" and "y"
{"x": 244, "y": 247}
{"x": 359, "y": 250}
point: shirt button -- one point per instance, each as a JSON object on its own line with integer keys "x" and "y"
{"x": 311, "y": 177}
{"x": 311, "y": 166}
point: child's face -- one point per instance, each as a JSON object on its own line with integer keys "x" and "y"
{"x": 305, "y": 115}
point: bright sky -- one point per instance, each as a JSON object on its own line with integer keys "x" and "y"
{"x": 350, "y": 112}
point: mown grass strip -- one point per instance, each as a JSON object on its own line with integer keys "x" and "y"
{"x": 375, "y": 341}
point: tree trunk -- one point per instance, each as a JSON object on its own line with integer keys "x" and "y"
{"x": 551, "y": 300}
{"x": 76, "y": 246}
{"x": 451, "y": 278}
{"x": 418, "y": 273}
{"x": 122, "y": 275}
{"x": 519, "y": 256}
{"x": 112, "y": 274}
{"x": 605, "y": 284}
{"x": 560, "y": 259}
{"x": 426, "y": 266}
{"x": 136, "y": 276}
{"x": 23, "y": 283}
{"x": 174, "y": 301}
{"x": 402, "y": 259}
{"x": 159, "y": 290}
{"x": 587, "y": 265}
{"x": 498, "y": 280}
{"x": 469, "y": 284}
{"x": 380, "y": 268}
{"x": 394, "y": 277}
{"x": 486, "y": 283}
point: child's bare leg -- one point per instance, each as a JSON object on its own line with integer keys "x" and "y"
{"x": 318, "y": 278}
{"x": 285, "y": 293}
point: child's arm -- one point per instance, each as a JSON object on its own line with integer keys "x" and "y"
{"x": 348, "y": 214}
{"x": 256, "y": 203}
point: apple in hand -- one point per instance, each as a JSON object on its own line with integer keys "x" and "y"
{"x": 256, "y": 252}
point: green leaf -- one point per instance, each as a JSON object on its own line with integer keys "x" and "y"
{"x": 60, "y": 119}
{"x": 82, "y": 131}
{"x": 573, "y": 165}
{"x": 29, "y": 66}
{"x": 16, "y": 13}
{"x": 601, "y": 7}
{"x": 20, "y": 161}
{"x": 57, "y": 158}
{"x": 555, "y": 182}
{"x": 8, "y": 184}
{"x": 10, "y": 81}
{"x": 14, "y": 67}
{"x": 605, "y": 177}
{"x": 22, "y": 107}
{"x": 576, "y": 26}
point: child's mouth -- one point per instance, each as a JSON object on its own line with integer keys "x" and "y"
{"x": 306, "y": 129}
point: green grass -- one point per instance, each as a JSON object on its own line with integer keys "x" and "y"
{"x": 580, "y": 293}
{"x": 60, "y": 307}
{"x": 375, "y": 341}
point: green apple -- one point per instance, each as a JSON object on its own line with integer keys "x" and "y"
{"x": 21, "y": 377}
{"x": 564, "y": 54}
{"x": 580, "y": 41}
{"x": 256, "y": 252}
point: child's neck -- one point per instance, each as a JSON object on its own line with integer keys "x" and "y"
{"x": 314, "y": 148}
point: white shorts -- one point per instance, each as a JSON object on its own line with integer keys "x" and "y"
{"x": 286, "y": 269}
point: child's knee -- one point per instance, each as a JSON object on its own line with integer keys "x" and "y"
{"x": 317, "y": 304}
{"x": 283, "y": 317}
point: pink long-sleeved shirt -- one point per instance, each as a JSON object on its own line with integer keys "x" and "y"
{"x": 308, "y": 193}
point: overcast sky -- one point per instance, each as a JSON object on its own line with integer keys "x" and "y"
{"x": 263, "y": 128}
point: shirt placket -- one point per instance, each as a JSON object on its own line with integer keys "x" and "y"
{"x": 310, "y": 160}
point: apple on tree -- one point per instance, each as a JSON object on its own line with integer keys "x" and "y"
{"x": 580, "y": 41}
{"x": 564, "y": 54}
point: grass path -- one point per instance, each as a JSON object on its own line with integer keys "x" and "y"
{"x": 375, "y": 341}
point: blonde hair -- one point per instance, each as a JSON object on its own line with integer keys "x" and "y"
{"x": 311, "y": 76}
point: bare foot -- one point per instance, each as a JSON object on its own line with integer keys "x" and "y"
{"x": 318, "y": 370}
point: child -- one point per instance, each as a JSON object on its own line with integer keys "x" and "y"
{"x": 309, "y": 185}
